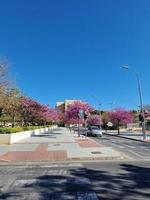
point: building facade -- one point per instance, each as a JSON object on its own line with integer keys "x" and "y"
{"x": 62, "y": 106}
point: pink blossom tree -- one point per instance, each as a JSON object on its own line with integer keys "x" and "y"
{"x": 72, "y": 112}
{"x": 94, "y": 120}
{"x": 30, "y": 110}
{"x": 120, "y": 117}
{"x": 36, "y": 113}
{"x": 52, "y": 115}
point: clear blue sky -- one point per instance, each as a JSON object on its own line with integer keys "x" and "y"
{"x": 72, "y": 49}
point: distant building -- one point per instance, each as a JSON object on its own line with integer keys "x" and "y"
{"x": 62, "y": 106}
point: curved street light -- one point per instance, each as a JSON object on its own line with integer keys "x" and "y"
{"x": 126, "y": 67}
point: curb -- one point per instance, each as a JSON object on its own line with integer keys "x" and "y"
{"x": 148, "y": 141}
{"x": 105, "y": 158}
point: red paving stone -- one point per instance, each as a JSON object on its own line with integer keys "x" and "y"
{"x": 42, "y": 147}
{"x": 40, "y": 154}
{"x": 87, "y": 143}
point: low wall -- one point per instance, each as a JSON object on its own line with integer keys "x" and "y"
{"x": 15, "y": 137}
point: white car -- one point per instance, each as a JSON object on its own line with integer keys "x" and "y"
{"x": 95, "y": 131}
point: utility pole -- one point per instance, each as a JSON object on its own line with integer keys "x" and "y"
{"x": 141, "y": 99}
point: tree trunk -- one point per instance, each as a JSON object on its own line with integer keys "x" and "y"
{"x": 4, "y": 123}
{"x": 106, "y": 129}
{"x": 14, "y": 120}
{"x": 118, "y": 130}
{"x": 22, "y": 122}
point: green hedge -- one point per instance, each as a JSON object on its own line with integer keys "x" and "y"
{"x": 19, "y": 129}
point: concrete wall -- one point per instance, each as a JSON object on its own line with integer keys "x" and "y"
{"x": 15, "y": 137}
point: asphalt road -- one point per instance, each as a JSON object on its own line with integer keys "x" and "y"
{"x": 136, "y": 150}
{"x": 76, "y": 181}
{"x": 104, "y": 180}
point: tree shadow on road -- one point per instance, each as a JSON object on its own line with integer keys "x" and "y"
{"x": 131, "y": 182}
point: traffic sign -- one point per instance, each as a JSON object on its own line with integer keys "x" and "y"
{"x": 109, "y": 124}
{"x": 146, "y": 113}
{"x": 81, "y": 113}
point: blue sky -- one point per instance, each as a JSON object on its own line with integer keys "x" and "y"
{"x": 72, "y": 49}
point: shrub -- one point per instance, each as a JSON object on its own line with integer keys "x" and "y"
{"x": 19, "y": 129}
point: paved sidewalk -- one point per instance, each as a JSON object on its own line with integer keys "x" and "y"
{"x": 130, "y": 135}
{"x": 57, "y": 145}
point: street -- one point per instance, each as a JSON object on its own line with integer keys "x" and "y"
{"x": 136, "y": 150}
{"x": 76, "y": 181}
{"x": 80, "y": 180}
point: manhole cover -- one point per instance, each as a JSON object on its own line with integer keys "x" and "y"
{"x": 57, "y": 144}
{"x": 96, "y": 152}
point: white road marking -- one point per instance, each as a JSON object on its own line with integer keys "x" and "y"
{"x": 62, "y": 165}
{"x": 136, "y": 154}
{"x": 53, "y": 181}
{"x": 129, "y": 146}
{"x": 86, "y": 196}
{"x": 25, "y": 182}
{"x": 118, "y": 145}
{"x": 142, "y": 147}
{"x": 146, "y": 159}
{"x": 22, "y": 183}
{"x": 58, "y": 172}
{"x": 81, "y": 181}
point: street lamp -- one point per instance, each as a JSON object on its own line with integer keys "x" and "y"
{"x": 98, "y": 103}
{"x": 140, "y": 96}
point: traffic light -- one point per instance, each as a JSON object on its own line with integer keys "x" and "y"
{"x": 85, "y": 116}
{"x": 141, "y": 118}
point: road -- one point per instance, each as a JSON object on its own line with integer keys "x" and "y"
{"x": 136, "y": 150}
{"x": 77, "y": 181}
{"x": 103, "y": 180}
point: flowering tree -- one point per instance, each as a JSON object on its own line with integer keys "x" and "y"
{"x": 34, "y": 112}
{"x": 94, "y": 120}
{"x": 120, "y": 117}
{"x": 72, "y": 112}
{"x": 14, "y": 107}
{"x": 51, "y": 115}
{"x": 30, "y": 110}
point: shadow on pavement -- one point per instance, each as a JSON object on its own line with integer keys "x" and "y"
{"x": 131, "y": 182}
{"x": 45, "y": 136}
{"x": 131, "y": 134}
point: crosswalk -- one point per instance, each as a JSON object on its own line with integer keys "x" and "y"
{"x": 67, "y": 183}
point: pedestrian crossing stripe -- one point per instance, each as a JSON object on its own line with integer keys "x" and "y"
{"x": 53, "y": 181}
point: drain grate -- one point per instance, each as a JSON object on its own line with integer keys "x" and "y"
{"x": 96, "y": 152}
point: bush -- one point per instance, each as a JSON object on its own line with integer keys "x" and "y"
{"x": 19, "y": 129}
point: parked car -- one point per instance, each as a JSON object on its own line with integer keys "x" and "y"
{"x": 94, "y": 131}
{"x": 83, "y": 131}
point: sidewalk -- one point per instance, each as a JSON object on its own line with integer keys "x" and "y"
{"x": 57, "y": 145}
{"x": 130, "y": 135}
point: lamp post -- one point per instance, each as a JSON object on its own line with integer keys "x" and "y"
{"x": 98, "y": 102}
{"x": 140, "y": 96}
